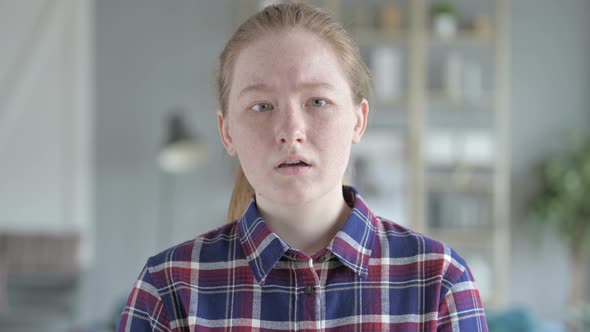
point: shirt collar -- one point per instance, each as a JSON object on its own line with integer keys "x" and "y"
{"x": 352, "y": 244}
{"x": 262, "y": 247}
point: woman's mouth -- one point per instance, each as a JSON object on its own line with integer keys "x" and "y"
{"x": 293, "y": 166}
{"x": 294, "y": 163}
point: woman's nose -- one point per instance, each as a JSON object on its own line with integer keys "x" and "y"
{"x": 291, "y": 125}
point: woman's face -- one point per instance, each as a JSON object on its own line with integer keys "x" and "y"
{"x": 291, "y": 118}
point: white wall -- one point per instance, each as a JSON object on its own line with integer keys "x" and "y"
{"x": 550, "y": 97}
{"x": 46, "y": 118}
{"x": 46, "y": 157}
{"x": 152, "y": 56}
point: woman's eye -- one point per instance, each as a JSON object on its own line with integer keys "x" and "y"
{"x": 318, "y": 102}
{"x": 262, "y": 107}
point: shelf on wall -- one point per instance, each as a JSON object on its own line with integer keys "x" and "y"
{"x": 437, "y": 97}
{"x": 480, "y": 171}
{"x": 476, "y": 187}
{"x": 463, "y": 37}
{"x": 373, "y": 37}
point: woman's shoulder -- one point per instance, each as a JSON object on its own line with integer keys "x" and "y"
{"x": 405, "y": 242}
{"x": 209, "y": 246}
{"x": 404, "y": 248}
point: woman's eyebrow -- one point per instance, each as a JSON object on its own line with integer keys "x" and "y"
{"x": 315, "y": 85}
{"x": 301, "y": 86}
{"x": 254, "y": 87}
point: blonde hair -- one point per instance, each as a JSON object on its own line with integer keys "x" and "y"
{"x": 284, "y": 17}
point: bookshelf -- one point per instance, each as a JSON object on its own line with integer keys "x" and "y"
{"x": 445, "y": 118}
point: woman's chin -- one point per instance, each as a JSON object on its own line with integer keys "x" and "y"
{"x": 288, "y": 197}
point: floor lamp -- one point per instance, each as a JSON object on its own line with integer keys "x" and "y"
{"x": 181, "y": 153}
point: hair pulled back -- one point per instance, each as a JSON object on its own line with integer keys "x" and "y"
{"x": 281, "y": 18}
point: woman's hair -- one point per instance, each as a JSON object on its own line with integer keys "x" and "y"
{"x": 279, "y": 18}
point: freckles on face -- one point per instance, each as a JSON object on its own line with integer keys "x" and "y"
{"x": 289, "y": 97}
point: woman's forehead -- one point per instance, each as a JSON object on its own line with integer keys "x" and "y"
{"x": 297, "y": 57}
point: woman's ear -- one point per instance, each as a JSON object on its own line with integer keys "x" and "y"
{"x": 361, "y": 114}
{"x": 223, "y": 127}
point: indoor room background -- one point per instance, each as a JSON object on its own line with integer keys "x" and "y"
{"x": 109, "y": 150}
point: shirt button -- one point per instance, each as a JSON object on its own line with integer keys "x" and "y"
{"x": 309, "y": 290}
{"x": 321, "y": 259}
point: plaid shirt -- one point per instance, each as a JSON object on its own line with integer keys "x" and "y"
{"x": 374, "y": 276}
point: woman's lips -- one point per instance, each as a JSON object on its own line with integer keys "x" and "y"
{"x": 292, "y": 169}
{"x": 290, "y": 160}
{"x": 293, "y": 164}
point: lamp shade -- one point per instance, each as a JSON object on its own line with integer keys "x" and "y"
{"x": 182, "y": 152}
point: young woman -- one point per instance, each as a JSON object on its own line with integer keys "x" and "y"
{"x": 304, "y": 252}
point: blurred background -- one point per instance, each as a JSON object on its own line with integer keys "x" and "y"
{"x": 110, "y": 153}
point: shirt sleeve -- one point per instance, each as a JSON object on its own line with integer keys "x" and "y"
{"x": 461, "y": 308}
{"x": 144, "y": 310}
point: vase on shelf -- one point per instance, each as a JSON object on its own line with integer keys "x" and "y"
{"x": 444, "y": 21}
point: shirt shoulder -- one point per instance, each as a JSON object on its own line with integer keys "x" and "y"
{"x": 405, "y": 245}
{"x": 409, "y": 255}
{"x": 211, "y": 246}
{"x": 406, "y": 241}
{"x": 161, "y": 296}
{"x": 174, "y": 265}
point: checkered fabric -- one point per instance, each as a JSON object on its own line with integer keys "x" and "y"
{"x": 374, "y": 276}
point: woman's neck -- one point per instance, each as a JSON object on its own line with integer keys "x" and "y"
{"x": 309, "y": 227}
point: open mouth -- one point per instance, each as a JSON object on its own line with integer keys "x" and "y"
{"x": 298, "y": 163}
